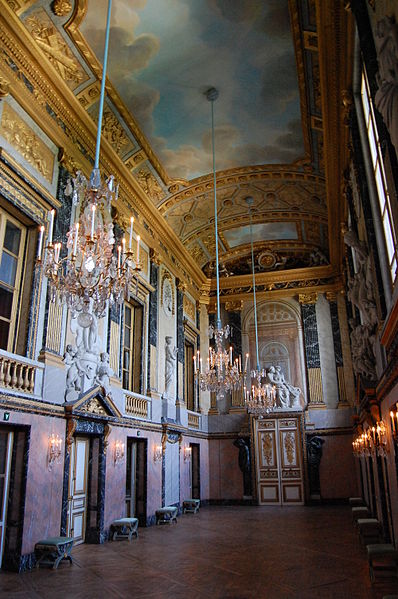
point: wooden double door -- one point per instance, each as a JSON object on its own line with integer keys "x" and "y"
{"x": 279, "y": 460}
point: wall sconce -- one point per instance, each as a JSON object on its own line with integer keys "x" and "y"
{"x": 157, "y": 453}
{"x": 54, "y": 450}
{"x": 187, "y": 453}
{"x": 371, "y": 442}
{"x": 118, "y": 452}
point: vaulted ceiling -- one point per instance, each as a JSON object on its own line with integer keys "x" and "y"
{"x": 281, "y": 70}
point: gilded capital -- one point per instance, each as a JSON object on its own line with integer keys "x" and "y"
{"x": 154, "y": 256}
{"x": 308, "y": 298}
{"x": 331, "y": 296}
{"x": 234, "y": 306}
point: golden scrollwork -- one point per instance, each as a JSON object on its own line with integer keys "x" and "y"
{"x": 189, "y": 308}
{"x": 289, "y": 444}
{"x": 4, "y": 87}
{"x": 136, "y": 159}
{"x": 107, "y": 432}
{"x": 71, "y": 427}
{"x": 50, "y": 41}
{"x": 234, "y": 306}
{"x": 114, "y": 132}
{"x": 16, "y": 131}
{"x": 150, "y": 185}
{"x": 267, "y": 444}
{"x": 94, "y": 407}
{"x": 61, "y": 8}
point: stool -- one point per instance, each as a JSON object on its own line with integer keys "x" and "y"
{"x": 166, "y": 515}
{"x": 356, "y": 502}
{"x": 124, "y": 528}
{"x": 191, "y": 505}
{"x": 359, "y": 512}
{"x": 49, "y": 552}
{"x": 385, "y": 555}
{"x": 370, "y": 530}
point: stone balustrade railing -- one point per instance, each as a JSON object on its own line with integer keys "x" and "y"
{"x": 20, "y": 374}
{"x": 193, "y": 420}
{"x": 136, "y": 405}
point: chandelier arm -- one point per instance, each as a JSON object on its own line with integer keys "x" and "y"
{"x": 102, "y": 96}
{"x": 254, "y": 288}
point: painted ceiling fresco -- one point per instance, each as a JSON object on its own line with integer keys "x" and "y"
{"x": 164, "y": 55}
{"x": 262, "y": 55}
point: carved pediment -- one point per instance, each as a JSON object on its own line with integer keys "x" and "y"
{"x": 94, "y": 403}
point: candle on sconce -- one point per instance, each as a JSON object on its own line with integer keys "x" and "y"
{"x": 39, "y": 249}
{"x": 194, "y": 363}
{"x": 75, "y": 239}
{"x": 246, "y": 361}
{"x": 138, "y": 248}
{"x": 119, "y": 255}
{"x": 230, "y": 355}
{"x": 374, "y": 434}
{"x": 51, "y": 227}
{"x": 131, "y": 232}
{"x": 392, "y": 422}
{"x": 201, "y": 366}
{"x": 123, "y": 248}
{"x": 92, "y": 221}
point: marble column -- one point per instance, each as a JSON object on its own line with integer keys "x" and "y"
{"x": 327, "y": 352}
{"x": 152, "y": 380}
{"x": 311, "y": 342}
{"x": 338, "y": 350}
{"x": 235, "y": 321}
{"x": 180, "y": 400}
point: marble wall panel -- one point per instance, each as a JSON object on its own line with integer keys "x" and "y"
{"x": 185, "y": 469}
{"x": 43, "y": 501}
{"x": 337, "y": 468}
{"x": 225, "y": 478}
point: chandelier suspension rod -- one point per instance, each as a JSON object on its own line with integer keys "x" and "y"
{"x": 212, "y": 95}
{"x": 95, "y": 173}
{"x": 250, "y": 202}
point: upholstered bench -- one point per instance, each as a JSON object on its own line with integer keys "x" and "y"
{"x": 124, "y": 528}
{"x": 166, "y": 515}
{"x": 382, "y": 557}
{"x": 51, "y": 551}
{"x": 370, "y": 530}
{"x": 191, "y": 505}
{"x": 359, "y": 512}
{"x": 356, "y": 502}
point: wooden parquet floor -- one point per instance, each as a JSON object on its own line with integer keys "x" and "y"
{"x": 219, "y": 553}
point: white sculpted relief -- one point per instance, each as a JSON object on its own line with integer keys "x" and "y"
{"x": 86, "y": 367}
{"x": 360, "y": 293}
{"x": 287, "y": 396}
{"x": 170, "y": 358}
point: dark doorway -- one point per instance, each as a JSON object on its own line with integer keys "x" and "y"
{"x": 195, "y": 470}
{"x": 136, "y": 479}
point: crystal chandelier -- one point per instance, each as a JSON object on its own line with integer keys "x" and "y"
{"x": 86, "y": 276}
{"x": 222, "y": 373}
{"x": 260, "y": 399}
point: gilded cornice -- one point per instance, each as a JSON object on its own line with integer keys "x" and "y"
{"x": 37, "y": 86}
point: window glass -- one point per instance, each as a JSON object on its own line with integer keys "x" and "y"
{"x": 12, "y": 238}
{"x": 4, "y": 329}
{"x": 6, "y": 297}
{"x": 8, "y": 269}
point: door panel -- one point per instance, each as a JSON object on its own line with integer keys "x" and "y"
{"x": 195, "y": 470}
{"x": 279, "y": 461}
{"x": 77, "y": 504}
{"x": 6, "y": 440}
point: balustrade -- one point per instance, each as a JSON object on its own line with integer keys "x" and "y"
{"x": 17, "y": 373}
{"x": 136, "y": 406}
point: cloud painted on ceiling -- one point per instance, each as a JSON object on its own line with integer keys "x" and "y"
{"x": 164, "y": 55}
{"x": 261, "y": 232}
